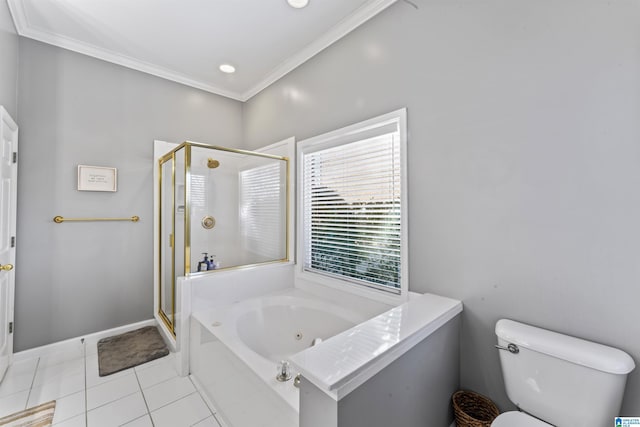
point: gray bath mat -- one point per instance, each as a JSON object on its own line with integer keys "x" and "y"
{"x": 130, "y": 349}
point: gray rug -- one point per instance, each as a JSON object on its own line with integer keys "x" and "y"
{"x": 130, "y": 349}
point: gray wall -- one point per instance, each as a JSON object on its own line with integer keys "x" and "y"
{"x": 77, "y": 278}
{"x": 8, "y": 61}
{"x": 523, "y": 158}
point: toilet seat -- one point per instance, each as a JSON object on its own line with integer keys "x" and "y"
{"x": 517, "y": 419}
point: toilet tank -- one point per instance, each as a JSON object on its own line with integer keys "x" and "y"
{"x": 563, "y": 380}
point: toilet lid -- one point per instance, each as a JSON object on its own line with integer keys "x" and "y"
{"x": 517, "y": 419}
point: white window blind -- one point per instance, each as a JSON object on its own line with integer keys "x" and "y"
{"x": 262, "y": 207}
{"x": 352, "y": 208}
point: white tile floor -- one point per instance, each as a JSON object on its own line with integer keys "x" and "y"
{"x": 147, "y": 395}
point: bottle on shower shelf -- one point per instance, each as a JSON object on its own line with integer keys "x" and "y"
{"x": 204, "y": 264}
{"x": 213, "y": 264}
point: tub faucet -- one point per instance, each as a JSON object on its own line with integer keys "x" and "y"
{"x": 284, "y": 371}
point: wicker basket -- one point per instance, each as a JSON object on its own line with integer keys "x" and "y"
{"x": 473, "y": 410}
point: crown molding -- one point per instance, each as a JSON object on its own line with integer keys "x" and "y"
{"x": 338, "y": 31}
{"x": 24, "y": 29}
{"x": 126, "y": 61}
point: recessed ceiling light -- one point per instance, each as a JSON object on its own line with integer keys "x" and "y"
{"x": 227, "y": 68}
{"x": 298, "y": 4}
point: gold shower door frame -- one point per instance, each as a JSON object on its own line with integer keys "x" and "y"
{"x": 169, "y": 318}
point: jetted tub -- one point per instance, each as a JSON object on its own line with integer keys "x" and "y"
{"x": 277, "y": 327}
{"x": 235, "y": 351}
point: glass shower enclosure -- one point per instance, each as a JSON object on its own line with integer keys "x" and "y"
{"x": 219, "y": 209}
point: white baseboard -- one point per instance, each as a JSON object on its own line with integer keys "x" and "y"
{"x": 90, "y": 342}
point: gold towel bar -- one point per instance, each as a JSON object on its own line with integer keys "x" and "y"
{"x": 59, "y": 219}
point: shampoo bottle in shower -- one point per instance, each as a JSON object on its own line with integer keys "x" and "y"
{"x": 212, "y": 263}
{"x": 204, "y": 264}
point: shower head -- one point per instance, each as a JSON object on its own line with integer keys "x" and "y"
{"x": 212, "y": 163}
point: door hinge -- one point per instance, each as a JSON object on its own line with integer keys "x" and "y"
{"x": 13, "y": 241}
{"x": 15, "y": 157}
{"x": 10, "y": 327}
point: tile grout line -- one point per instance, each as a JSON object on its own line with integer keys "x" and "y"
{"x": 206, "y": 403}
{"x": 35, "y": 372}
{"x": 135, "y": 419}
{"x": 205, "y": 418}
{"x": 219, "y": 421}
{"x": 40, "y": 362}
{"x": 144, "y": 398}
{"x": 111, "y": 401}
{"x": 174, "y": 401}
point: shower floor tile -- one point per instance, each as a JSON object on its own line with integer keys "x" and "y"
{"x": 149, "y": 395}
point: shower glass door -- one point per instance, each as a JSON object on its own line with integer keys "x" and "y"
{"x": 220, "y": 209}
{"x": 167, "y": 269}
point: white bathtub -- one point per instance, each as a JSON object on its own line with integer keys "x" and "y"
{"x": 234, "y": 351}
{"x": 235, "y": 345}
{"x": 277, "y": 327}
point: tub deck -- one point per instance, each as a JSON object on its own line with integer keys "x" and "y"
{"x": 375, "y": 344}
{"x": 236, "y": 378}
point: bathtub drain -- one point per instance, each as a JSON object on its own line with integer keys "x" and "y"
{"x": 298, "y": 336}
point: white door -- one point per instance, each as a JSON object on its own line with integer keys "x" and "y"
{"x": 8, "y": 186}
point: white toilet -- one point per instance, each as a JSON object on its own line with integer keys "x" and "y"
{"x": 559, "y": 380}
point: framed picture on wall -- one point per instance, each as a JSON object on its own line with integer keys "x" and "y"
{"x": 97, "y": 178}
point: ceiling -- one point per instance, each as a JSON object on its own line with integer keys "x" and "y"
{"x": 187, "y": 40}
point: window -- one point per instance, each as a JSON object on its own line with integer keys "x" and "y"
{"x": 262, "y": 211}
{"x": 352, "y": 205}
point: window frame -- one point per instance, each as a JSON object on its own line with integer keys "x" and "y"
{"x": 352, "y": 133}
